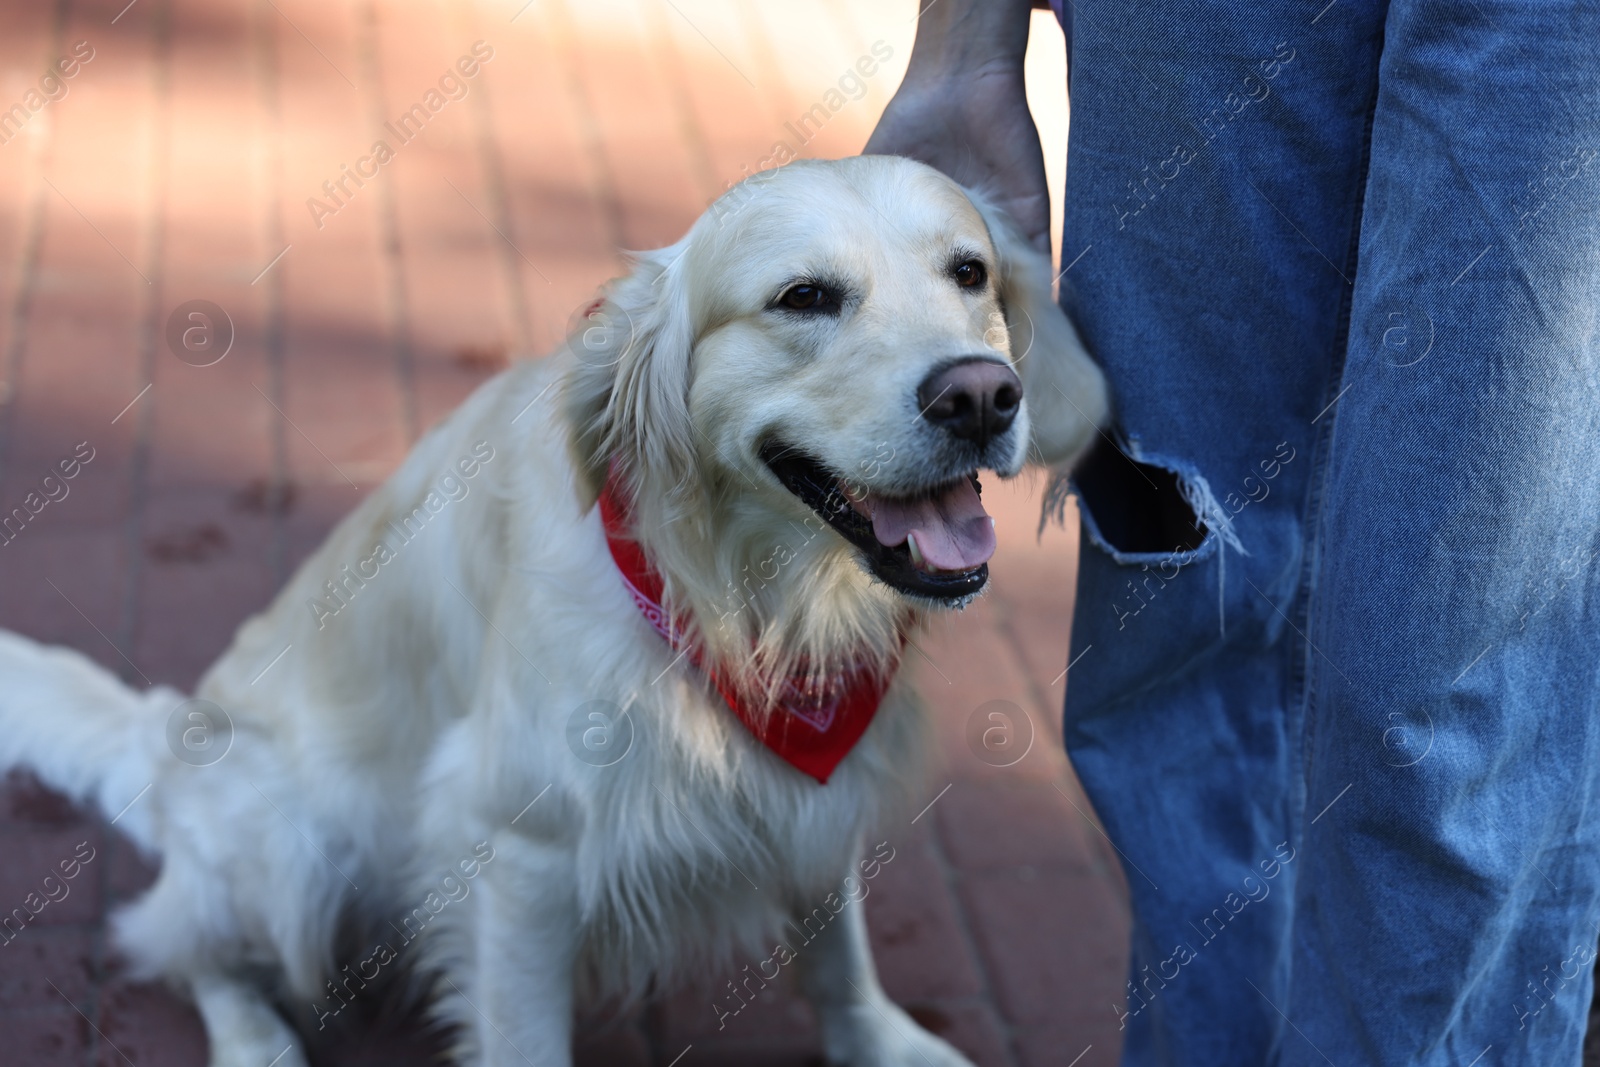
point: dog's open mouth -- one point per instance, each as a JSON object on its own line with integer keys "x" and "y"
{"x": 935, "y": 543}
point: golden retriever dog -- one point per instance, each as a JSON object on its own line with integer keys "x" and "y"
{"x": 599, "y": 689}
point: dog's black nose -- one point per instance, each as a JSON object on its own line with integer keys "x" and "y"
{"x": 976, "y": 399}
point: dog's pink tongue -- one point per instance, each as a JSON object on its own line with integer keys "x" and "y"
{"x": 953, "y": 531}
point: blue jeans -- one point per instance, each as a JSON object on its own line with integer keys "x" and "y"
{"x": 1335, "y": 682}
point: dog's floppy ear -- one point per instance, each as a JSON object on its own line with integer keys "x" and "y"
{"x": 627, "y": 395}
{"x": 1064, "y": 389}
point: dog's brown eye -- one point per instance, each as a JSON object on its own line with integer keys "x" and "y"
{"x": 804, "y": 297}
{"x": 971, "y": 274}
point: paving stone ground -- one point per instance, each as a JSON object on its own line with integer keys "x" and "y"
{"x": 178, "y": 166}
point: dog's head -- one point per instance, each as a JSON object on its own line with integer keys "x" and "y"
{"x": 853, "y": 340}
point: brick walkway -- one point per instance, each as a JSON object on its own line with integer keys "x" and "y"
{"x": 178, "y": 166}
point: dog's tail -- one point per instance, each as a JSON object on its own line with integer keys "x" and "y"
{"x": 81, "y": 730}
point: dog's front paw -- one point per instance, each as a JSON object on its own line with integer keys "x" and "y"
{"x": 882, "y": 1035}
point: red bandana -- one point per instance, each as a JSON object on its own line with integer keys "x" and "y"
{"x": 817, "y": 721}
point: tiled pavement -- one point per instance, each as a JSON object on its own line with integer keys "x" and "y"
{"x": 177, "y": 166}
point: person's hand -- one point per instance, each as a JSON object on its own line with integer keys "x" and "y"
{"x": 963, "y": 108}
{"x": 977, "y": 129}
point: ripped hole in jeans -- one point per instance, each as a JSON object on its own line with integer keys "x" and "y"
{"x": 1137, "y": 507}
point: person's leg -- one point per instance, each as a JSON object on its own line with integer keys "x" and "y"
{"x": 1216, "y": 167}
{"x": 1447, "y": 903}
{"x": 1452, "y": 909}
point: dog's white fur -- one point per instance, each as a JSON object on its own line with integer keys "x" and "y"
{"x": 426, "y": 714}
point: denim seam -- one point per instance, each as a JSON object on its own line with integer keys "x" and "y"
{"x": 1303, "y": 666}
